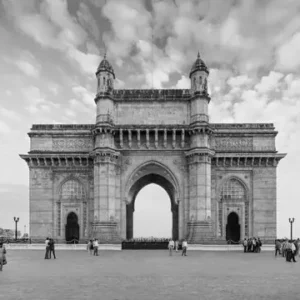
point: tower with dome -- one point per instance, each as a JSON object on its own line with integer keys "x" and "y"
{"x": 221, "y": 178}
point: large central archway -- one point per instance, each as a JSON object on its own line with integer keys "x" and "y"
{"x": 147, "y": 174}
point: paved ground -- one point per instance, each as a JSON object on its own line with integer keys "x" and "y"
{"x": 149, "y": 275}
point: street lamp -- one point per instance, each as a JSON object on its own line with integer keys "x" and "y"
{"x": 291, "y": 220}
{"x": 16, "y": 219}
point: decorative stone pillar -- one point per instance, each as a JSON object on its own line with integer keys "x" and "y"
{"x": 199, "y": 226}
{"x": 104, "y": 224}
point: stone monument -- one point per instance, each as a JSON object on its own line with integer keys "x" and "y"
{"x": 221, "y": 178}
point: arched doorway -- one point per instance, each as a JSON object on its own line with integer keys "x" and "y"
{"x": 72, "y": 228}
{"x": 233, "y": 232}
{"x": 152, "y": 207}
{"x": 136, "y": 188}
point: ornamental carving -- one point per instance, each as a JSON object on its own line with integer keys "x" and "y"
{"x": 72, "y": 144}
{"x": 41, "y": 177}
{"x": 234, "y": 144}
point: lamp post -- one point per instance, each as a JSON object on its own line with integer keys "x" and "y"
{"x": 16, "y": 219}
{"x": 291, "y": 220}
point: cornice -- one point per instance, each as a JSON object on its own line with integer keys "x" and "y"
{"x": 55, "y": 160}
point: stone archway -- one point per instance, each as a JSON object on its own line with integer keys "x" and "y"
{"x": 72, "y": 227}
{"x": 157, "y": 174}
{"x": 233, "y": 228}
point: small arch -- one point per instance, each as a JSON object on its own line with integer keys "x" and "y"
{"x": 72, "y": 227}
{"x": 76, "y": 185}
{"x": 233, "y": 228}
{"x": 226, "y": 186}
{"x": 103, "y": 80}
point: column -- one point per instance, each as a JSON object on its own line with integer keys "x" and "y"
{"x": 200, "y": 197}
{"x": 165, "y": 138}
{"x": 156, "y": 138}
{"x": 105, "y": 196}
{"x": 174, "y": 138}
{"x": 121, "y": 138}
{"x": 129, "y": 138}
{"x": 139, "y": 138}
{"x": 147, "y": 138}
{"x": 182, "y": 138}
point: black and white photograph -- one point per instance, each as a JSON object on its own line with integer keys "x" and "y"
{"x": 149, "y": 149}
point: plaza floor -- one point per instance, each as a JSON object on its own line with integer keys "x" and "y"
{"x": 129, "y": 274}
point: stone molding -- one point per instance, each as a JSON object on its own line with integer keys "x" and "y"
{"x": 42, "y": 160}
{"x": 105, "y": 156}
{"x": 247, "y": 160}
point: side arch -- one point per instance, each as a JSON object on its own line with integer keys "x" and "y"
{"x": 71, "y": 178}
{"x": 229, "y": 178}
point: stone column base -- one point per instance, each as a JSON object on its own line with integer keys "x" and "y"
{"x": 200, "y": 232}
{"x": 106, "y": 232}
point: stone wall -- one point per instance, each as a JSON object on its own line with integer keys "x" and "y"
{"x": 155, "y": 113}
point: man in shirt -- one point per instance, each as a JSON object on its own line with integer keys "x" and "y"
{"x": 277, "y": 247}
{"x": 47, "y": 248}
{"x": 184, "y": 247}
{"x": 293, "y": 251}
{"x": 171, "y": 246}
{"x": 95, "y": 246}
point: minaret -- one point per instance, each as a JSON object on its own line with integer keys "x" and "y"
{"x": 199, "y": 156}
{"x": 105, "y": 157}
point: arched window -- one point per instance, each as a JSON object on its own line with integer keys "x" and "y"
{"x": 233, "y": 190}
{"x": 103, "y": 80}
{"x": 72, "y": 189}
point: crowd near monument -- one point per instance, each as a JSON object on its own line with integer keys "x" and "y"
{"x": 221, "y": 178}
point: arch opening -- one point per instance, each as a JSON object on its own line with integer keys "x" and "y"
{"x": 72, "y": 228}
{"x": 152, "y": 215}
{"x": 233, "y": 230}
{"x": 133, "y": 193}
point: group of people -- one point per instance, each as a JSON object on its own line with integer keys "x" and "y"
{"x": 288, "y": 249}
{"x": 175, "y": 245}
{"x": 50, "y": 248}
{"x": 3, "y": 260}
{"x": 252, "y": 245}
{"x": 92, "y": 247}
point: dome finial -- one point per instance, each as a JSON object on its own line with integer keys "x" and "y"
{"x": 198, "y": 56}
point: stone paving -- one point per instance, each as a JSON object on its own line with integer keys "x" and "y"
{"x": 144, "y": 275}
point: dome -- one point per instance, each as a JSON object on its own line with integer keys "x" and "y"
{"x": 199, "y": 65}
{"x": 105, "y": 66}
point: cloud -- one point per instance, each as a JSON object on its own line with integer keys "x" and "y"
{"x": 4, "y": 128}
{"x": 287, "y": 55}
{"x": 87, "y": 21}
{"x": 9, "y": 114}
{"x": 28, "y": 64}
{"x": 269, "y": 83}
{"x": 36, "y": 100}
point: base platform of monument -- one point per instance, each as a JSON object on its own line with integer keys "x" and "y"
{"x": 118, "y": 247}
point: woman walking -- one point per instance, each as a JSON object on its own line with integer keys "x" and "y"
{"x": 3, "y": 260}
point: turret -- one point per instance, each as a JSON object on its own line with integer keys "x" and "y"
{"x": 198, "y": 76}
{"x": 105, "y": 84}
{"x": 105, "y": 77}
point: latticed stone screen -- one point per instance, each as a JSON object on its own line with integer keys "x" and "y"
{"x": 72, "y": 189}
{"x": 233, "y": 190}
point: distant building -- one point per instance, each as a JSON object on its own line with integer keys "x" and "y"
{"x": 221, "y": 178}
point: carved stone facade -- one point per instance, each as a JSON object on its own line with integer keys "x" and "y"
{"x": 84, "y": 178}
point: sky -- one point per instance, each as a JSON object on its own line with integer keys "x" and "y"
{"x": 50, "y": 50}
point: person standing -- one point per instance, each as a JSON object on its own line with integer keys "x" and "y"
{"x": 293, "y": 251}
{"x": 171, "y": 247}
{"x": 2, "y": 256}
{"x": 184, "y": 247}
{"x": 245, "y": 244}
{"x": 95, "y": 246}
{"x": 52, "y": 248}
{"x": 176, "y": 245}
{"x": 47, "y": 248}
{"x": 277, "y": 247}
